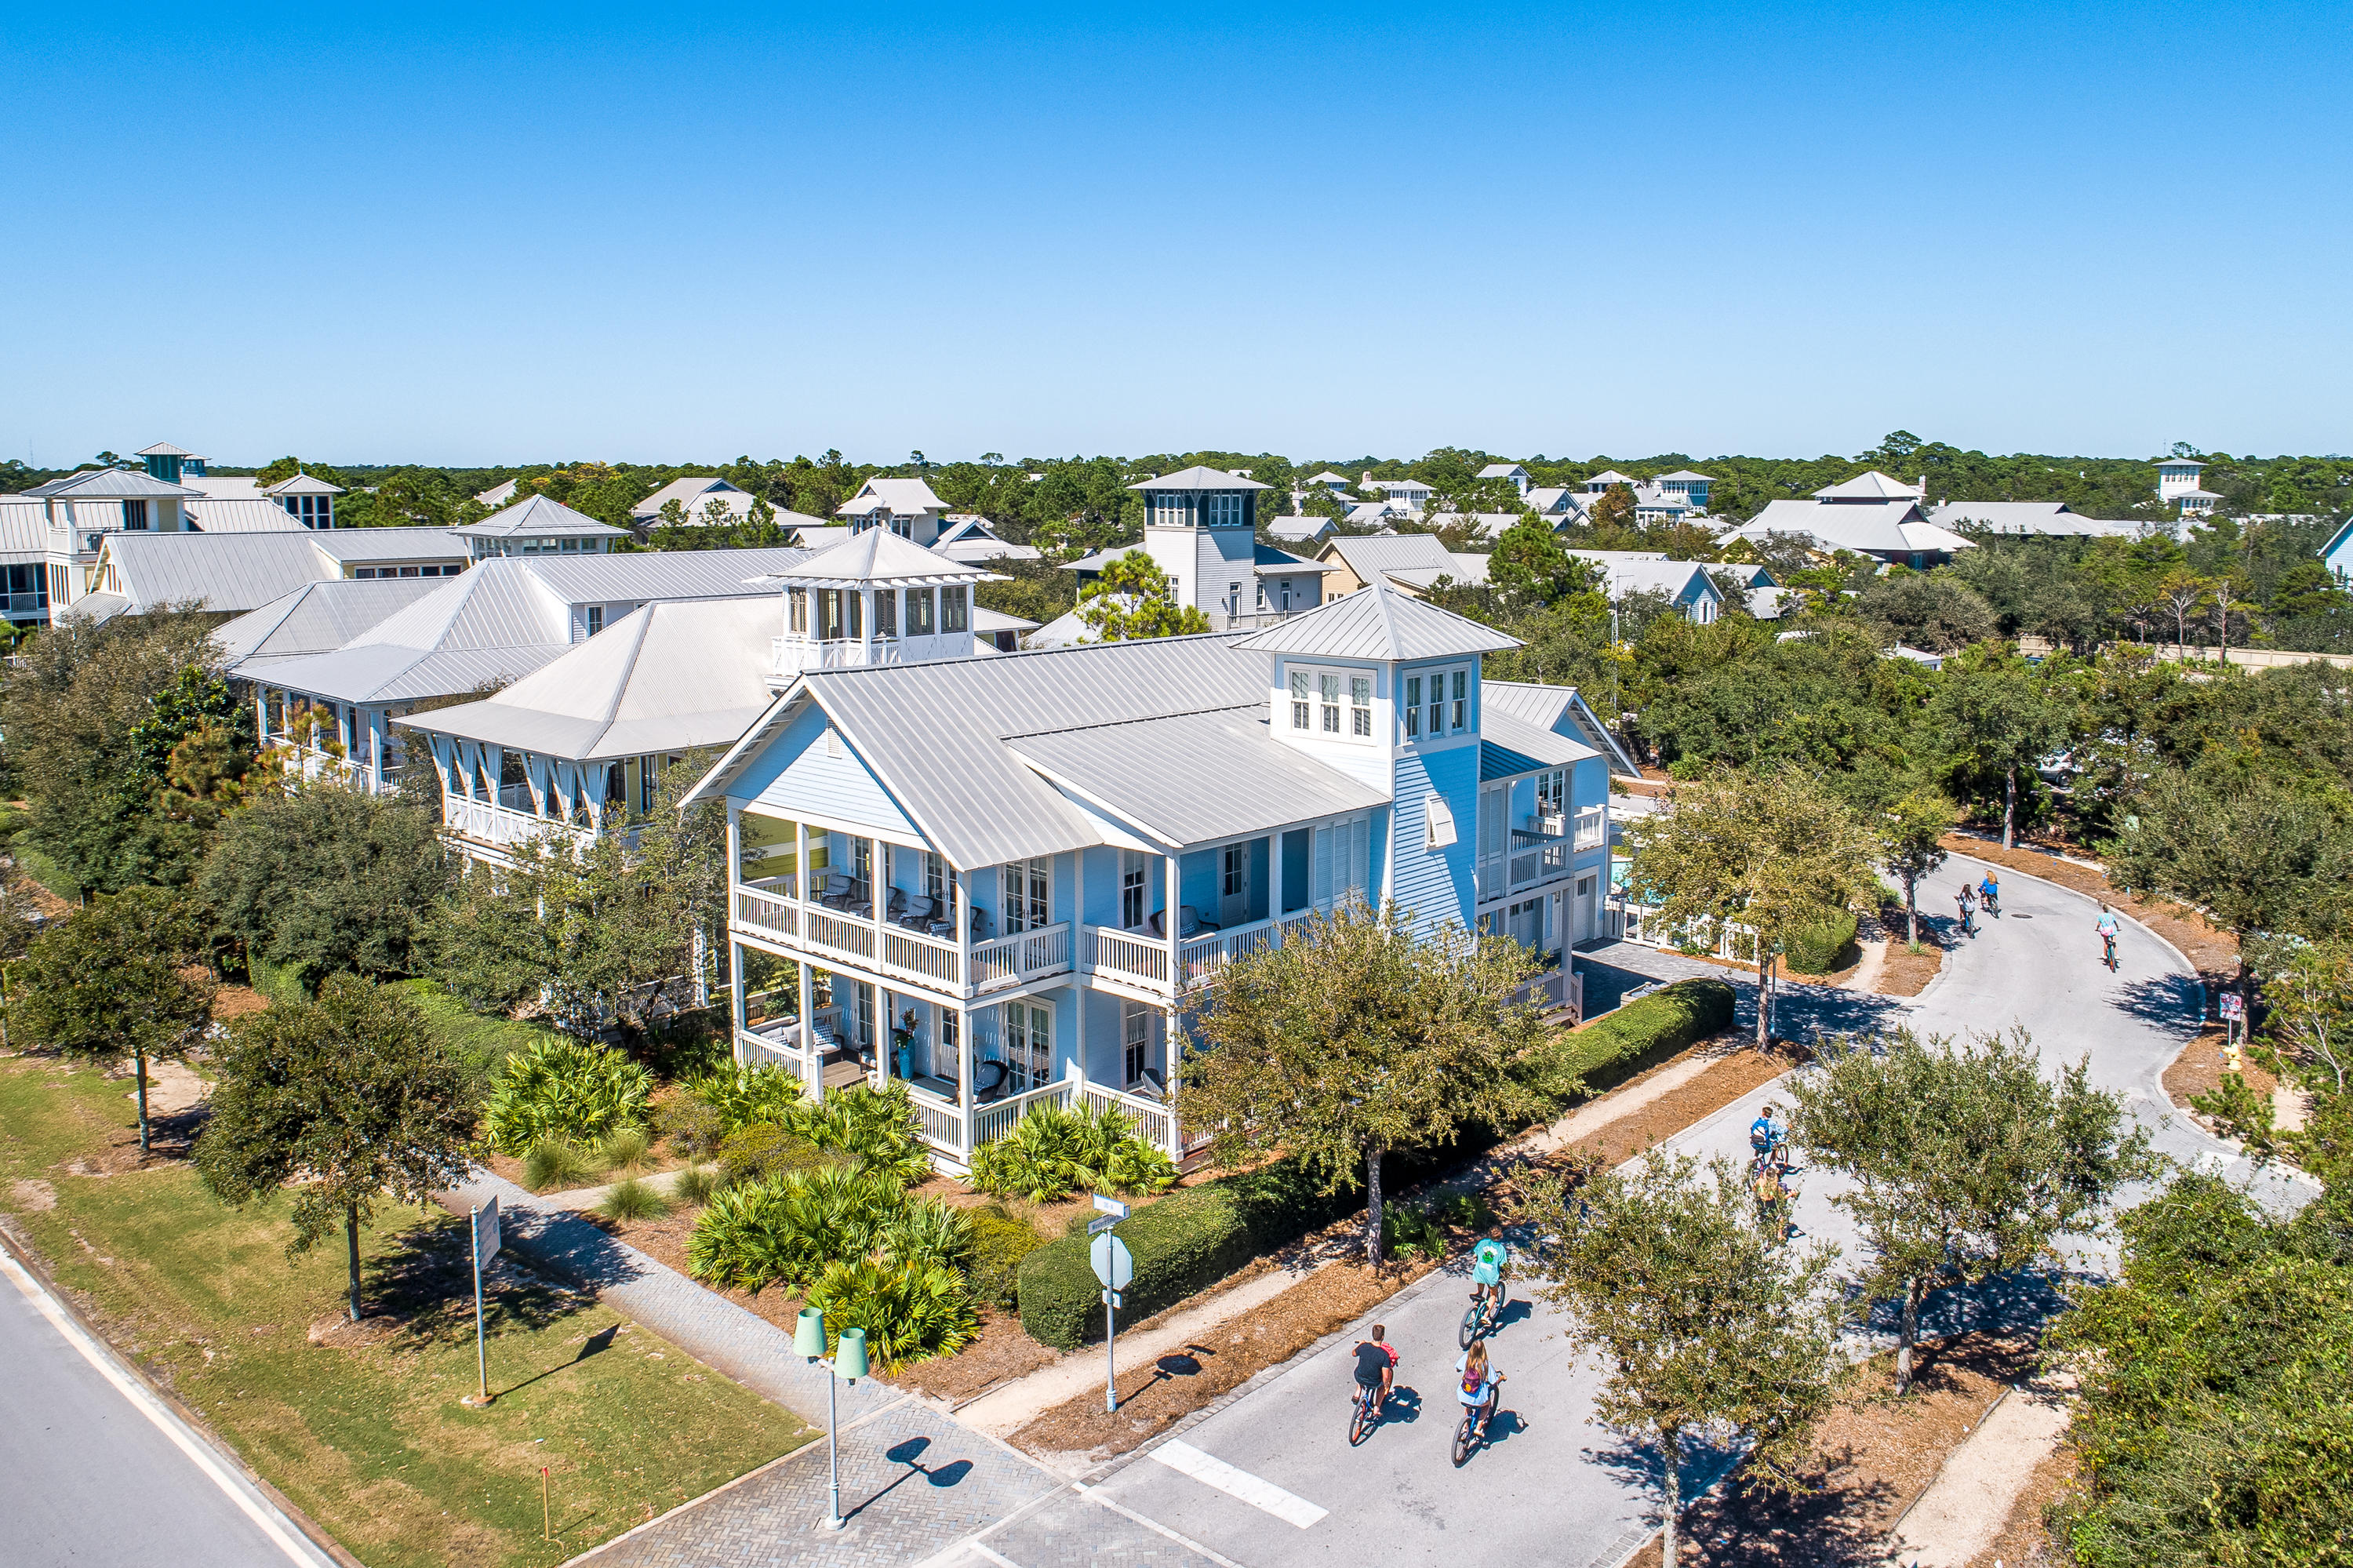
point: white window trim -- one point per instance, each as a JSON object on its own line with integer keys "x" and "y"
{"x": 1344, "y": 731}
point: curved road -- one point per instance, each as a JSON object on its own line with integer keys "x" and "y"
{"x": 1269, "y": 1480}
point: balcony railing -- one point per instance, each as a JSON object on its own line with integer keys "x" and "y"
{"x": 1142, "y": 962}
{"x": 794, "y": 654}
{"x": 1025, "y": 956}
{"x": 1154, "y": 1122}
{"x": 1126, "y": 956}
{"x": 901, "y": 951}
{"x": 480, "y": 820}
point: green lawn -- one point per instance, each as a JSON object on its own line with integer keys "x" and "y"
{"x": 371, "y": 1441}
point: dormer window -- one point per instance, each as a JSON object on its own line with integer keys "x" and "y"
{"x": 1298, "y": 704}
{"x": 1328, "y": 688}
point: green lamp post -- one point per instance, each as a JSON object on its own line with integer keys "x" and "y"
{"x": 848, "y": 1362}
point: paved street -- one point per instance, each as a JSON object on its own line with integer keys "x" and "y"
{"x": 1269, "y": 1480}
{"x": 101, "y": 1472}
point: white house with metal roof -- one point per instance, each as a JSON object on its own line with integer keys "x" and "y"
{"x": 2048, "y": 519}
{"x": 1008, "y": 880}
{"x": 2177, "y": 480}
{"x": 538, "y": 526}
{"x": 971, "y": 538}
{"x": 902, "y": 507}
{"x": 693, "y": 493}
{"x": 1521, "y": 480}
{"x": 1689, "y": 587}
{"x": 1869, "y": 514}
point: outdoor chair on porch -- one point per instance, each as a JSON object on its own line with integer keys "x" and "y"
{"x": 839, "y": 888}
{"x": 1188, "y": 922}
{"x": 987, "y": 1082}
{"x": 920, "y": 912}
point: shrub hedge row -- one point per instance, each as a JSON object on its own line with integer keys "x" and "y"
{"x": 1623, "y": 1042}
{"x": 1816, "y": 947}
{"x": 1182, "y": 1244}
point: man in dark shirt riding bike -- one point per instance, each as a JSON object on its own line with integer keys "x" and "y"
{"x": 1376, "y": 1365}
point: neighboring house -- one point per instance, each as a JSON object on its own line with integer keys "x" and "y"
{"x": 495, "y": 623}
{"x": 2337, "y": 553}
{"x": 2047, "y": 518}
{"x": 317, "y": 618}
{"x": 1011, "y": 881}
{"x": 133, "y": 573}
{"x": 966, "y": 537}
{"x": 2178, "y": 480}
{"x": 1689, "y": 585}
{"x": 498, "y": 495}
{"x": 23, "y": 561}
{"x": 1409, "y": 492}
{"x": 1303, "y": 529}
{"x": 1692, "y": 487}
{"x": 877, "y": 598}
{"x": 1200, "y": 528}
{"x": 307, "y": 499}
{"x": 1559, "y": 504}
{"x": 1870, "y": 515}
{"x": 1671, "y": 498}
{"x": 538, "y": 526}
{"x": 904, "y": 506}
{"x": 995, "y": 629}
{"x": 81, "y": 511}
{"x": 1381, "y": 514}
{"x": 1522, "y": 481}
{"x": 1600, "y": 482}
{"x": 692, "y": 495}
{"x": 1413, "y": 562}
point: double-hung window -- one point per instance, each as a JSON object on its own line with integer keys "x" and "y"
{"x": 1551, "y": 790}
{"x": 1223, "y": 511}
{"x": 886, "y": 613}
{"x": 1299, "y": 704}
{"x": 919, "y": 612}
{"x": 1360, "y": 706}
{"x": 1328, "y": 688}
{"x": 1461, "y": 713}
{"x": 1412, "y": 707}
{"x": 797, "y": 609}
{"x": 951, "y": 609}
{"x": 1133, "y": 891}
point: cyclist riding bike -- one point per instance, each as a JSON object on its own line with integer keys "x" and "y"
{"x": 1487, "y": 1260}
{"x": 2106, "y": 926}
{"x": 1967, "y": 898}
{"x": 1479, "y": 1385}
{"x": 1766, "y": 1137}
{"x": 1377, "y": 1366}
{"x": 1773, "y": 1196}
{"x": 1989, "y": 893}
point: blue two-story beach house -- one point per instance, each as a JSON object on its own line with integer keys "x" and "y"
{"x": 1007, "y": 879}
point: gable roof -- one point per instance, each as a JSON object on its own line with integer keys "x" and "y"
{"x": 1610, "y": 476}
{"x": 1685, "y": 474}
{"x": 1380, "y": 622}
{"x": 1834, "y": 526}
{"x": 542, "y": 515}
{"x": 109, "y": 484}
{"x": 345, "y": 546}
{"x": 162, "y": 449}
{"x": 300, "y": 483}
{"x": 1503, "y": 470}
{"x": 1200, "y": 478}
{"x": 1419, "y": 559}
{"x": 1328, "y": 477}
{"x": 1560, "y": 709}
{"x": 242, "y": 516}
{"x": 316, "y": 617}
{"x": 1869, "y": 485}
{"x": 685, "y": 490}
{"x": 233, "y": 572}
{"x": 669, "y": 676}
{"x": 902, "y": 497}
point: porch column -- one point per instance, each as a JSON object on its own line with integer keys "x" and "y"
{"x": 1079, "y": 1039}
{"x": 1172, "y": 1051}
{"x": 885, "y": 1017}
{"x": 964, "y": 1074}
{"x": 812, "y": 1069}
{"x": 262, "y": 718}
{"x": 734, "y": 855}
{"x": 735, "y": 1007}
{"x": 801, "y": 871}
{"x": 960, "y": 925}
{"x": 1170, "y": 926}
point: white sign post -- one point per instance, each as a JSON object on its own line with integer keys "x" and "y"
{"x": 486, "y": 1247}
{"x": 1114, "y": 1267}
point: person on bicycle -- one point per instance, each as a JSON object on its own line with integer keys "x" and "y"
{"x": 1479, "y": 1383}
{"x": 1968, "y": 900}
{"x": 1487, "y": 1272}
{"x": 2106, "y": 926}
{"x": 1989, "y": 894}
{"x": 1765, "y": 1134}
{"x": 1377, "y": 1362}
{"x": 1773, "y": 1195}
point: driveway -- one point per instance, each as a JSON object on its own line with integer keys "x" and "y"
{"x": 1269, "y": 1480}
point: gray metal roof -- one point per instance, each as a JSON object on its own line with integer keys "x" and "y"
{"x": 162, "y": 449}
{"x": 686, "y": 491}
{"x": 1509, "y": 746}
{"x": 221, "y": 571}
{"x": 1200, "y": 478}
{"x": 1380, "y": 622}
{"x": 877, "y": 555}
{"x": 109, "y": 484}
{"x": 303, "y": 484}
{"x": 1190, "y": 779}
{"x": 540, "y": 517}
{"x": 242, "y": 516}
{"x": 24, "y": 530}
{"x": 1869, "y": 485}
{"x": 1835, "y": 526}
{"x": 667, "y": 677}
{"x": 656, "y": 574}
{"x": 316, "y": 617}
{"x": 904, "y": 497}
{"x": 2050, "y": 517}
{"x": 1560, "y": 709}
{"x": 364, "y": 546}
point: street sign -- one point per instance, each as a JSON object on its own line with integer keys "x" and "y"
{"x": 1112, "y": 1206}
{"x": 486, "y": 1233}
{"x": 1114, "y": 1265}
{"x": 2233, "y": 1005}
{"x": 1097, "y": 1226}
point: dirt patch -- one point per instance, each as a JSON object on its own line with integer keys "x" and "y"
{"x": 337, "y": 1331}
{"x": 1003, "y": 1351}
{"x": 171, "y": 1088}
{"x": 1908, "y": 973}
{"x": 1871, "y": 1458}
{"x": 2026, "y": 1538}
{"x": 1723, "y": 1082}
{"x": 2214, "y": 953}
{"x": 2199, "y": 1070}
{"x": 33, "y": 1197}
{"x": 1158, "y": 1393}
{"x": 235, "y": 1001}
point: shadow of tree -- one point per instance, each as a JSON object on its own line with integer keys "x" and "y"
{"x": 426, "y": 1277}
{"x": 1832, "y": 1522}
{"x": 2173, "y": 1002}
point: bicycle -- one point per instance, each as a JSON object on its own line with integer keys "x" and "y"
{"x": 1487, "y": 1312}
{"x": 2109, "y": 958}
{"x": 1366, "y": 1413}
{"x": 1774, "y": 1156}
{"x": 1991, "y": 899}
{"x": 1472, "y": 1433}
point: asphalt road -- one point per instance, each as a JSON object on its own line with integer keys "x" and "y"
{"x": 95, "y": 1471}
{"x": 1269, "y": 1480}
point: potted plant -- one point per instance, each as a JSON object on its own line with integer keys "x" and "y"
{"x": 902, "y": 1042}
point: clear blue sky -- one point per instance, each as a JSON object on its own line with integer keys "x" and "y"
{"x": 642, "y": 234}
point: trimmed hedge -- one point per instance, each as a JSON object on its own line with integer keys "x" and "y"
{"x": 1623, "y": 1042}
{"x": 1816, "y": 947}
{"x": 1182, "y": 1244}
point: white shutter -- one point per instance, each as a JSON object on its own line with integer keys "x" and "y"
{"x": 1324, "y": 868}
{"x": 1437, "y": 823}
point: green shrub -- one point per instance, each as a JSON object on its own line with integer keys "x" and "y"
{"x": 694, "y": 1186}
{"x": 554, "y": 1164}
{"x": 1055, "y": 1150}
{"x": 564, "y": 1088}
{"x": 911, "y": 1311}
{"x": 1819, "y": 946}
{"x": 1623, "y": 1042}
{"x": 927, "y": 1231}
{"x": 632, "y": 1199}
{"x": 761, "y": 1153}
{"x": 744, "y": 1096}
{"x": 1182, "y": 1244}
{"x": 693, "y": 1129}
{"x": 1000, "y": 1240}
{"x": 876, "y": 1127}
{"x": 788, "y": 1229}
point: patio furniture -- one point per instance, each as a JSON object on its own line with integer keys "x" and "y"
{"x": 837, "y": 889}
{"x": 919, "y": 914}
{"x": 988, "y": 1081}
{"x": 980, "y": 925}
{"x": 1149, "y": 1086}
{"x": 897, "y": 906}
{"x": 1188, "y": 922}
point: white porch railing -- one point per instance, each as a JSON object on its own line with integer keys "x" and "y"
{"x": 940, "y": 1122}
{"x": 1142, "y": 960}
{"x": 1592, "y": 827}
{"x": 480, "y": 820}
{"x": 1154, "y": 1122}
{"x": 997, "y": 1117}
{"x": 918, "y": 956}
{"x": 831, "y": 933}
{"x": 1202, "y": 957}
{"x": 767, "y": 913}
{"x": 1127, "y": 956}
{"x": 1631, "y": 922}
{"x": 1025, "y": 956}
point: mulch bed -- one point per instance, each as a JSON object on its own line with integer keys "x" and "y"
{"x": 2026, "y": 1540}
{"x": 2199, "y": 1070}
{"x": 1003, "y": 1351}
{"x": 2214, "y": 953}
{"x": 1871, "y": 1458}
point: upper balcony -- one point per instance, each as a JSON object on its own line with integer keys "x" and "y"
{"x": 794, "y": 654}
{"x": 910, "y": 940}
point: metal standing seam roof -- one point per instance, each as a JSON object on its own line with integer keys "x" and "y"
{"x": 539, "y": 515}
{"x": 1834, "y": 526}
{"x": 876, "y": 556}
{"x": 905, "y": 497}
{"x": 163, "y": 448}
{"x": 241, "y": 515}
{"x": 1869, "y": 485}
{"x": 220, "y": 487}
{"x": 686, "y": 491}
{"x": 667, "y": 677}
{"x": 360, "y": 547}
{"x": 1200, "y": 478}
{"x": 110, "y": 484}
{"x": 302, "y": 485}
{"x": 222, "y": 571}
{"x": 1510, "y": 746}
{"x": 1189, "y": 779}
{"x": 316, "y": 617}
{"x": 24, "y": 529}
{"x": 1377, "y": 621}
{"x": 1549, "y": 707}
{"x": 655, "y": 574}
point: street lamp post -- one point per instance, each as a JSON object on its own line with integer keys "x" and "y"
{"x": 848, "y": 1362}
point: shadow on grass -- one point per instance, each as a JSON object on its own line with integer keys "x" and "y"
{"x": 426, "y": 1279}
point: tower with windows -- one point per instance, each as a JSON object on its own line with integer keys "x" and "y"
{"x": 1200, "y": 527}
{"x": 2178, "y": 481}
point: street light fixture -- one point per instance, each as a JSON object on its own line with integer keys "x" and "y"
{"x": 848, "y": 1362}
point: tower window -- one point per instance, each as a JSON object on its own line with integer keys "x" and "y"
{"x": 1360, "y": 706}
{"x": 1222, "y": 510}
{"x": 1299, "y": 699}
{"x": 1461, "y": 699}
{"x": 1412, "y": 707}
{"x": 1329, "y": 690}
